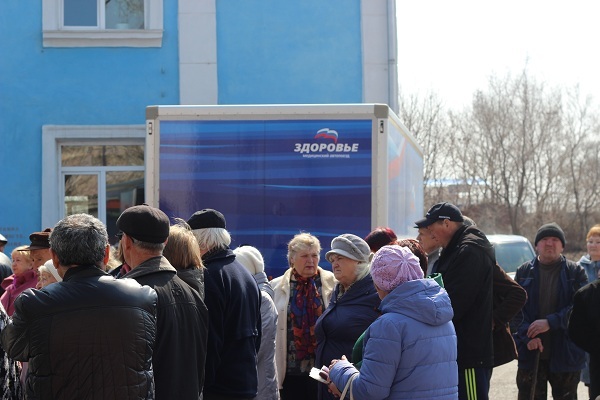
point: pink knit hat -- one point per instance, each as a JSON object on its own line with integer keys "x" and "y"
{"x": 393, "y": 265}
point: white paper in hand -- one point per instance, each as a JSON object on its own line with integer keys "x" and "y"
{"x": 314, "y": 373}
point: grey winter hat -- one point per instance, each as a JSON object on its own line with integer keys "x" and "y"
{"x": 351, "y": 246}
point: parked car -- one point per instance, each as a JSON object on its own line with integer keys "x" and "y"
{"x": 511, "y": 251}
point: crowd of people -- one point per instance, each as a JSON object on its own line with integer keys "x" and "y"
{"x": 173, "y": 312}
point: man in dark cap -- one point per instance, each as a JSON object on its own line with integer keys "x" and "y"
{"x": 551, "y": 282}
{"x": 233, "y": 301}
{"x": 89, "y": 336}
{"x": 39, "y": 249}
{"x": 466, "y": 263}
{"x": 182, "y": 319}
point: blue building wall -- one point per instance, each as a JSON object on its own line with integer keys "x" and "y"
{"x": 271, "y": 51}
{"x": 268, "y": 51}
{"x": 66, "y": 86}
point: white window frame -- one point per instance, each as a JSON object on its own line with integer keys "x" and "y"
{"x": 87, "y": 171}
{"x": 55, "y": 35}
{"x": 55, "y": 136}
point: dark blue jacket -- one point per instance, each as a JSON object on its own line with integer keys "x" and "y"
{"x": 343, "y": 322}
{"x": 181, "y": 331}
{"x": 565, "y": 355}
{"x": 233, "y": 300}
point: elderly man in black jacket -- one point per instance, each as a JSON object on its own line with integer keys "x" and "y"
{"x": 182, "y": 319}
{"x": 89, "y": 336}
{"x": 233, "y": 301}
{"x": 508, "y": 300}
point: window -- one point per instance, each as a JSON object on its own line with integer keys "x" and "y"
{"x": 102, "y": 180}
{"x": 97, "y": 170}
{"x": 106, "y": 23}
{"x": 113, "y": 14}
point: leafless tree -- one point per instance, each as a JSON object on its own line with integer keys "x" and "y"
{"x": 523, "y": 154}
{"x": 510, "y": 135}
{"x": 582, "y": 169}
{"x": 426, "y": 118}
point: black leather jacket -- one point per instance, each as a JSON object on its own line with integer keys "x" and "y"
{"x": 88, "y": 337}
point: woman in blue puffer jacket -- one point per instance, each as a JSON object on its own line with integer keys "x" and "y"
{"x": 410, "y": 351}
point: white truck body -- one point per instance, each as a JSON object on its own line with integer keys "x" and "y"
{"x": 277, "y": 170}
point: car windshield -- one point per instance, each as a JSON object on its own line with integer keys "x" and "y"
{"x": 511, "y": 255}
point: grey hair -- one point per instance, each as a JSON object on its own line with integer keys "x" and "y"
{"x": 362, "y": 270}
{"x": 468, "y": 221}
{"x": 79, "y": 239}
{"x": 154, "y": 247}
{"x": 303, "y": 241}
{"x": 212, "y": 238}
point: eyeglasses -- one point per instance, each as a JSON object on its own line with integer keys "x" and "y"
{"x": 119, "y": 235}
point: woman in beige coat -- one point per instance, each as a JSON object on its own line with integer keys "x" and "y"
{"x": 302, "y": 293}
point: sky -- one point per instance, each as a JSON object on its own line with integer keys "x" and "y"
{"x": 453, "y": 47}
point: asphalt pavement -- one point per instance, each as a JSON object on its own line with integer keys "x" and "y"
{"x": 504, "y": 387}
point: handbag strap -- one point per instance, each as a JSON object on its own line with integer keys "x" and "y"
{"x": 348, "y": 387}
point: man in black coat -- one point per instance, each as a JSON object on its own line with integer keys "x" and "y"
{"x": 182, "y": 319}
{"x": 233, "y": 301}
{"x": 509, "y": 298}
{"x": 467, "y": 264}
{"x": 89, "y": 336}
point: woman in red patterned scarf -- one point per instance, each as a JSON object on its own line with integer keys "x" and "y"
{"x": 302, "y": 293}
